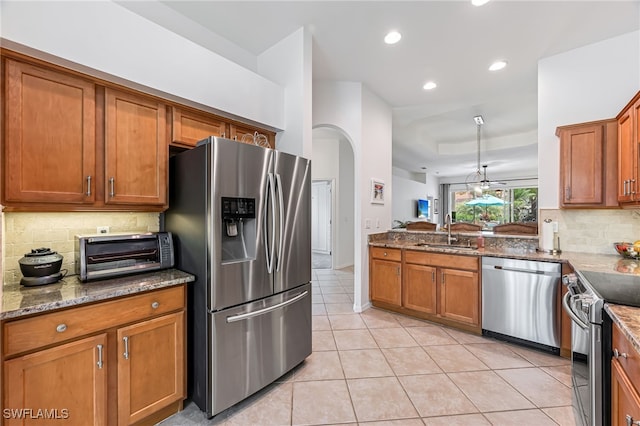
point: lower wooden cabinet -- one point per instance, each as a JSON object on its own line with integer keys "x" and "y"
{"x": 625, "y": 381}
{"x": 131, "y": 371}
{"x": 150, "y": 370}
{"x": 68, "y": 381}
{"x": 460, "y": 296}
{"x": 420, "y": 288}
{"x": 439, "y": 287}
{"x": 386, "y": 276}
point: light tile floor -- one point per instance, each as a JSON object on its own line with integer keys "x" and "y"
{"x": 382, "y": 368}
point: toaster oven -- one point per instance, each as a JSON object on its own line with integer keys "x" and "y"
{"x": 114, "y": 255}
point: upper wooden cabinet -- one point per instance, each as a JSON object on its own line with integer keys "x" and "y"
{"x": 75, "y": 143}
{"x": 238, "y": 132}
{"x": 588, "y": 164}
{"x": 628, "y": 140}
{"x": 188, "y": 128}
{"x": 50, "y": 137}
{"x": 136, "y": 149}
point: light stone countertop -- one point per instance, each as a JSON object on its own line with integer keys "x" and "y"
{"x": 17, "y": 300}
{"x": 628, "y": 319}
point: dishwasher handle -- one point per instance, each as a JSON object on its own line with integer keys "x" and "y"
{"x": 526, "y": 271}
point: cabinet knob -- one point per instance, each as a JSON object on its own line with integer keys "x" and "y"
{"x": 61, "y": 328}
{"x": 385, "y": 253}
{"x": 617, "y": 354}
{"x": 155, "y": 305}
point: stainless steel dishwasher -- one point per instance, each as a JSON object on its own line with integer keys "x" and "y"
{"x": 520, "y": 301}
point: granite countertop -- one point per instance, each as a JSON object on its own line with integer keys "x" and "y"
{"x": 628, "y": 319}
{"x": 18, "y": 300}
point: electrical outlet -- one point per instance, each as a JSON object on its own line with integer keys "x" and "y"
{"x": 102, "y": 229}
{"x": 367, "y": 224}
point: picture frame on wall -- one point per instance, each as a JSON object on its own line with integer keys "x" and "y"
{"x": 377, "y": 191}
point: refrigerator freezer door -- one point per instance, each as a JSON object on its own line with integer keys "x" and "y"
{"x": 293, "y": 224}
{"x": 256, "y": 343}
{"x": 238, "y": 170}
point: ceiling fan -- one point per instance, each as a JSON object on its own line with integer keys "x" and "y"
{"x": 478, "y": 181}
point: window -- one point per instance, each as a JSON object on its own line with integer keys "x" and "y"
{"x": 495, "y": 206}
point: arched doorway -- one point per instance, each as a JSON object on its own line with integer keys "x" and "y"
{"x": 333, "y": 168}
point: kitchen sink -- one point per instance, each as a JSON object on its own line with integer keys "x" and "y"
{"x": 445, "y": 246}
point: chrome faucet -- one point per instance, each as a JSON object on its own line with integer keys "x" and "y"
{"x": 447, "y": 221}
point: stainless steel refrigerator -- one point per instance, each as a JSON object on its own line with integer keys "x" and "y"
{"x": 240, "y": 215}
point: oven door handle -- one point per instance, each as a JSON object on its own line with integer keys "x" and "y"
{"x": 565, "y": 303}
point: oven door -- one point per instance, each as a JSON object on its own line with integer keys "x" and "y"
{"x": 580, "y": 354}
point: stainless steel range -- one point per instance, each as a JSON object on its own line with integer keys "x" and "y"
{"x": 591, "y": 338}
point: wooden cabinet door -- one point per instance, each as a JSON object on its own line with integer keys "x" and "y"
{"x": 419, "y": 288}
{"x": 625, "y": 401}
{"x": 136, "y": 150}
{"x": 627, "y": 161}
{"x": 188, "y": 128}
{"x": 581, "y": 170}
{"x": 68, "y": 380}
{"x": 246, "y": 134}
{"x": 460, "y": 296}
{"x": 386, "y": 282}
{"x": 49, "y": 144}
{"x": 151, "y": 366}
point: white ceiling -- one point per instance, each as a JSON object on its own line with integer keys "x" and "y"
{"x": 450, "y": 42}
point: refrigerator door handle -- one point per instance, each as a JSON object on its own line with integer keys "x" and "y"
{"x": 281, "y": 214}
{"x": 269, "y": 248}
{"x": 263, "y": 311}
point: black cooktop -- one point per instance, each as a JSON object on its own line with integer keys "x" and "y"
{"x": 613, "y": 287}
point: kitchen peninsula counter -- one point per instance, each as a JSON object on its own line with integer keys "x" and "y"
{"x": 524, "y": 247}
{"x": 19, "y": 300}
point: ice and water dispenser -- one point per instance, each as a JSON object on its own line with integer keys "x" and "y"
{"x": 238, "y": 229}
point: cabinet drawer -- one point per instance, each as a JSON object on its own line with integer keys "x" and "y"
{"x": 437, "y": 259}
{"x": 386, "y": 253}
{"x": 631, "y": 363}
{"x": 55, "y": 327}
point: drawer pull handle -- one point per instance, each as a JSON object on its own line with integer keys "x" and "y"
{"x": 126, "y": 347}
{"x": 617, "y": 354}
{"x": 112, "y": 187}
{"x": 631, "y": 422}
{"x": 155, "y": 305}
{"x": 61, "y": 328}
{"x": 99, "y": 357}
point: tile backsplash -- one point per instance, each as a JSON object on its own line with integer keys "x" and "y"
{"x": 594, "y": 231}
{"x": 22, "y": 232}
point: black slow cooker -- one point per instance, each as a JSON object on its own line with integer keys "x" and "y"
{"x": 41, "y": 266}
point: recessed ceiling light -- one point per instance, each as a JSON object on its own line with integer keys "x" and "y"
{"x": 479, "y": 2}
{"x": 497, "y": 65}
{"x": 392, "y": 37}
{"x": 429, "y": 85}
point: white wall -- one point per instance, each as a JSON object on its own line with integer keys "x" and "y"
{"x": 333, "y": 159}
{"x": 288, "y": 63}
{"x": 366, "y": 121}
{"x": 590, "y": 83}
{"x": 344, "y": 254}
{"x": 407, "y": 188}
{"x": 106, "y": 40}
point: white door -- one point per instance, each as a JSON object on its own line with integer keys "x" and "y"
{"x": 321, "y": 216}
